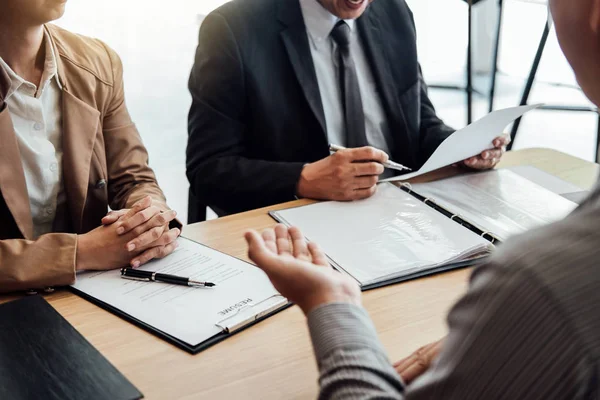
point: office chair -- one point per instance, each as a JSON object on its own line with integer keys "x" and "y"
{"x": 531, "y": 78}
{"x": 469, "y": 88}
{"x": 196, "y": 208}
{"x": 527, "y": 91}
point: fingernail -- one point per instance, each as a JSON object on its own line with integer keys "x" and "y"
{"x": 120, "y": 230}
{"x": 135, "y": 264}
{"x": 131, "y": 247}
{"x": 486, "y": 156}
{"x": 178, "y": 232}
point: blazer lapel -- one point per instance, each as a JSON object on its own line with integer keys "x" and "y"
{"x": 12, "y": 177}
{"x": 369, "y": 27}
{"x": 296, "y": 43}
{"x": 80, "y": 124}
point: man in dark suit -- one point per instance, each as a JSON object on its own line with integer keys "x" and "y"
{"x": 275, "y": 81}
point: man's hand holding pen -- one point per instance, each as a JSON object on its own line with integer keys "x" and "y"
{"x": 346, "y": 175}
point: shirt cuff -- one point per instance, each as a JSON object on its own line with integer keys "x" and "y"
{"x": 341, "y": 325}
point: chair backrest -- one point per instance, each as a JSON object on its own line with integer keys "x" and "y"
{"x": 196, "y": 209}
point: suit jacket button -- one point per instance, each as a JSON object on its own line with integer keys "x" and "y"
{"x": 101, "y": 184}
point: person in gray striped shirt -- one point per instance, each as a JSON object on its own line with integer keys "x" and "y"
{"x": 529, "y": 325}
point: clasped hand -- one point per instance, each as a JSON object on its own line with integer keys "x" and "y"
{"x": 130, "y": 236}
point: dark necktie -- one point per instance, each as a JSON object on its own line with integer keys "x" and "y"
{"x": 354, "y": 116}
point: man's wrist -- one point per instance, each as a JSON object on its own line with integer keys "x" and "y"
{"x": 341, "y": 326}
{"x": 315, "y": 301}
{"x": 301, "y": 186}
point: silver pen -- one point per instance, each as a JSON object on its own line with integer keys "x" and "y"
{"x": 390, "y": 164}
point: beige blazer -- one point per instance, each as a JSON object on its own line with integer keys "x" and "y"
{"x": 104, "y": 164}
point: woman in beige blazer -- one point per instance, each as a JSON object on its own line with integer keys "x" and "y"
{"x": 68, "y": 151}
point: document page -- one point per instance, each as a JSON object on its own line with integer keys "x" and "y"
{"x": 191, "y": 314}
{"x": 390, "y": 235}
{"x": 499, "y": 202}
{"x": 552, "y": 183}
{"x": 468, "y": 142}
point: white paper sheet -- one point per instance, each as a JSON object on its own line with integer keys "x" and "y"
{"x": 498, "y": 201}
{"x": 552, "y": 183}
{"x": 389, "y": 235}
{"x": 468, "y": 142}
{"x": 188, "y": 313}
{"x": 577, "y": 197}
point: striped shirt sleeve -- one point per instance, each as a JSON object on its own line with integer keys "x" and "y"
{"x": 351, "y": 360}
{"x": 509, "y": 339}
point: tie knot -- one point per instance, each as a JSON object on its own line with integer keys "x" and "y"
{"x": 341, "y": 34}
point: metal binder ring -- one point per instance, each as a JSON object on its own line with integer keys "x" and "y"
{"x": 492, "y": 237}
{"x": 407, "y": 185}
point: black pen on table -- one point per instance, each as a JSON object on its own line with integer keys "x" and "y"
{"x": 149, "y": 276}
{"x": 389, "y": 164}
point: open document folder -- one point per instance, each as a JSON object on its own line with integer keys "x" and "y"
{"x": 405, "y": 232}
{"x": 468, "y": 142}
{"x": 190, "y": 317}
{"x": 389, "y": 236}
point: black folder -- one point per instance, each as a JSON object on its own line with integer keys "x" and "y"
{"x": 43, "y": 357}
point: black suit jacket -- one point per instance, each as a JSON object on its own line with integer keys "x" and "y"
{"x": 257, "y": 117}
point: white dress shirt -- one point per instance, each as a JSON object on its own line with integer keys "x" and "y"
{"x": 319, "y": 24}
{"x": 37, "y": 118}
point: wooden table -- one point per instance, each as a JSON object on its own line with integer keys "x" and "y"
{"x": 273, "y": 360}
